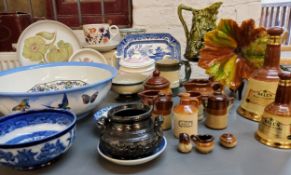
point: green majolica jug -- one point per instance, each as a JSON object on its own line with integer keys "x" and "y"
{"x": 203, "y": 20}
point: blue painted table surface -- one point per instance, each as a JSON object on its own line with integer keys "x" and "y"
{"x": 249, "y": 157}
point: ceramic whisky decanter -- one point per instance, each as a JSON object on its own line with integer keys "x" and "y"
{"x": 275, "y": 126}
{"x": 263, "y": 82}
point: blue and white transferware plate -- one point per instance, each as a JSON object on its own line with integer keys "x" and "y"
{"x": 159, "y": 150}
{"x": 152, "y": 45}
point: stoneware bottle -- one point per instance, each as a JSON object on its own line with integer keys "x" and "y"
{"x": 217, "y": 109}
{"x": 163, "y": 107}
{"x": 275, "y": 126}
{"x": 157, "y": 82}
{"x": 185, "y": 116}
{"x": 263, "y": 82}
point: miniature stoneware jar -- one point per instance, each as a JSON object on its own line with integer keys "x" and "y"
{"x": 228, "y": 140}
{"x": 204, "y": 86}
{"x": 217, "y": 109}
{"x": 185, "y": 116}
{"x": 129, "y": 132}
{"x": 185, "y": 145}
{"x": 197, "y": 97}
{"x": 163, "y": 107}
{"x": 157, "y": 82}
{"x": 203, "y": 143}
{"x": 170, "y": 68}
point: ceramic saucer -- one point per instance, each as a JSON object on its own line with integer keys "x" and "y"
{"x": 161, "y": 148}
{"x": 88, "y": 55}
{"x": 103, "y": 47}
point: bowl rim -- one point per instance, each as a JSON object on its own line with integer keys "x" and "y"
{"x": 46, "y": 139}
{"x": 109, "y": 68}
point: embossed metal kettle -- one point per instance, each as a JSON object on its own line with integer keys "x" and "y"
{"x": 203, "y": 20}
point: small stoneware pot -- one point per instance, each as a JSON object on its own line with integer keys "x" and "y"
{"x": 204, "y": 86}
{"x": 203, "y": 143}
{"x": 196, "y": 96}
{"x": 128, "y": 132}
{"x": 228, "y": 140}
{"x": 148, "y": 96}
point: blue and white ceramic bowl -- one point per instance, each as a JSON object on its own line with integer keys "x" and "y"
{"x": 75, "y": 86}
{"x": 34, "y": 138}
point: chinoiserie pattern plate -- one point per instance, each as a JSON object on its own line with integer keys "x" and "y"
{"x": 152, "y": 45}
{"x": 46, "y": 41}
{"x": 103, "y": 112}
{"x": 159, "y": 150}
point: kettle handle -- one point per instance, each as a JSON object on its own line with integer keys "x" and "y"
{"x": 180, "y": 8}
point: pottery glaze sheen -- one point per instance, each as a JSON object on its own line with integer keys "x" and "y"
{"x": 129, "y": 132}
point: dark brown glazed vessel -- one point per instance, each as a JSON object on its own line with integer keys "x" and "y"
{"x": 217, "y": 103}
{"x": 11, "y": 26}
{"x": 163, "y": 104}
{"x": 204, "y": 86}
{"x": 157, "y": 82}
{"x": 148, "y": 96}
{"x": 204, "y": 143}
{"x": 129, "y": 132}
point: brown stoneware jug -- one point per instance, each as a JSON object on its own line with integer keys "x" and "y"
{"x": 163, "y": 107}
{"x": 217, "y": 109}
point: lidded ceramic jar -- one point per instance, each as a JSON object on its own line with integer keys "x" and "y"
{"x": 217, "y": 109}
{"x": 163, "y": 107}
{"x": 129, "y": 132}
{"x": 185, "y": 116}
{"x": 157, "y": 82}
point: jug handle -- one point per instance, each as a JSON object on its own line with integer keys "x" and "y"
{"x": 180, "y": 8}
{"x": 187, "y": 70}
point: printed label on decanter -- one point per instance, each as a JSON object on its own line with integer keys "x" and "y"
{"x": 258, "y": 95}
{"x": 185, "y": 123}
{"x": 275, "y": 127}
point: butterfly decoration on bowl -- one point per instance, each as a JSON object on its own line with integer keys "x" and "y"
{"x": 89, "y": 99}
{"x": 63, "y": 105}
{"x": 22, "y": 106}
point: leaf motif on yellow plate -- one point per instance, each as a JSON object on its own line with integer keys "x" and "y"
{"x": 232, "y": 52}
{"x": 47, "y": 35}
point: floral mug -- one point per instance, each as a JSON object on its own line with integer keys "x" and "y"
{"x": 98, "y": 34}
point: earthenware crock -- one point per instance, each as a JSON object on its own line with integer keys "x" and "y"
{"x": 128, "y": 132}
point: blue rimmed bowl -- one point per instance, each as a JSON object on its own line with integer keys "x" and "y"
{"x": 34, "y": 138}
{"x": 75, "y": 86}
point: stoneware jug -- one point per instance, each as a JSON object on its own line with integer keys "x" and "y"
{"x": 203, "y": 20}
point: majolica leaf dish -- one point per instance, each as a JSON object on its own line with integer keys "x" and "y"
{"x": 233, "y": 52}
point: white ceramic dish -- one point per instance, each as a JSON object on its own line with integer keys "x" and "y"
{"x": 146, "y": 71}
{"x": 88, "y": 55}
{"x": 128, "y": 83}
{"x": 46, "y": 41}
{"x": 103, "y": 47}
{"x": 156, "y": 153}
{"x": 14, "y": 95}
